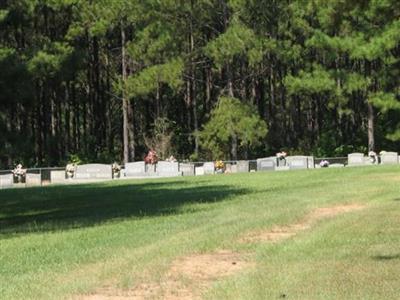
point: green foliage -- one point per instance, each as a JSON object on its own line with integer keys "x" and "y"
{"x": 237, "y": 40}
{"x": 309, "y": 83}
{"x": 231, "y": 119}
{"x": 148, "y": 80}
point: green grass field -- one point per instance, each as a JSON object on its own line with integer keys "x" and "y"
{"x": 121, "y": 238}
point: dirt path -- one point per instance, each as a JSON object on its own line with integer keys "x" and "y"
{"x": 191, "y": 275}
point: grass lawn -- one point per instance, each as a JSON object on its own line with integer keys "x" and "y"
{"x": 125, "y": 238}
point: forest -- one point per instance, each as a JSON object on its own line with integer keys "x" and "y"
{"x": 107, "y": 80}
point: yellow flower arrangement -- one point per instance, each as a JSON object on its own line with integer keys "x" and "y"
{"x": 219, "y": 164}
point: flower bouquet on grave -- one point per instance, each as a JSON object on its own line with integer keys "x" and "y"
{"x": 281, "y": 156}
{"x": 19, "y": 173}
{"x": 373, "y": 157}
{"x": 324, "y": 164}
{"x": 70, "y": 170}
{"x": 219, "y": 166}
{"x": 116, "y": 169}
{"x": 151, "y": 158}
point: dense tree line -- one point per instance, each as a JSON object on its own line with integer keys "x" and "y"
{"x": 105, "y": 80}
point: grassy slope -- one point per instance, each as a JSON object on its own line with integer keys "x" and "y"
{"x": 60, "y": 241}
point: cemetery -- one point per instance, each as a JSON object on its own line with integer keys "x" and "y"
{"x": 188, "y": 150}
{"x": 141, "y": 170}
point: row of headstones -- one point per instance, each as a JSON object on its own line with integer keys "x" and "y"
{"x": 31, "y": 179}
{"x": 173, "y": 169}
{"x": 359, "y": 159}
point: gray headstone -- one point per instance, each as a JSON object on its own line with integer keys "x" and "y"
{"x": 135, "y": 169}
{"x": 93, "y": 171}
{"x": 199, "y": 171}
{"x": 168, "y": 169}
{"x": 298, "y": 162}
{"x": 243, "y": 166}
{"x": 266, "y": 164}
{"x": 209, "y": 168}
{"x": 389, "y": 158}
{"x": 150, "y": 170}
{"x": 355, "y": 159}
{"x": 57, "y": 176}
{"x": 33, "y": 179}
{"x": 187, "y": 169}
{"x": 6, "y": 181}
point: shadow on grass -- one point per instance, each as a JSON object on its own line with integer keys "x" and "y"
{"x": 76, "y": 206}
{"x": 387, "y": 257}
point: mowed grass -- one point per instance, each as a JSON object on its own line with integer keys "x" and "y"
{"x": 65, "y": 241}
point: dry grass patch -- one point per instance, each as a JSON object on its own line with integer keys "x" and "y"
{"x": 187, "y": 278}
{"x": 279, "y": 233}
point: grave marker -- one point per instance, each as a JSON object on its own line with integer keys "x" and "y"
{"x": 389, "y": 158}
{"x": 6, "y": 181}
{"x": 266, "y": 163}
{"x": 93, "y": 171}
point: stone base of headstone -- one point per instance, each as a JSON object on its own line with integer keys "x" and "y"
{"x": 282, "y": 168}
{"x": 336, "y": 166}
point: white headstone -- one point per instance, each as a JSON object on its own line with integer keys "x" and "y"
{"x": 209, "y": 168}
{"x": 135, "y": 169}
{"x": 57, "y": 176}
{"x": 187, "y": 169}
{"x": 389, "y": 158}
{"x": 33, "y": 179}
{"x": 168, "y": 169}
{"x": 6, "y": 181}
{"x": 243, "y": 166}
{"x": 199, "y": 171}
{"x": 266, "y": 163}
{"x": 93, "y": 171}
{"x": 298, "y": 162}
{"x": 355, "y": 159}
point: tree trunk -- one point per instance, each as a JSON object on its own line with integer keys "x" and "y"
{"x": 125, "y": 100}
{"x": 371, "y": 135}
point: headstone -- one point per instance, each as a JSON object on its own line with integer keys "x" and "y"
{"x": 93, "y": 171}
{"x": 243, "y": 166}
{"x": 389, "y": 158}
{"x": 150, "y": 170}
{"x": 199, "y": 171}
{"x": 311, "y": 163}
{"x": 209, "y": 168}
{"x": 281, "y": 162}
{"x": 298, "y": 162}
{"x": 228, "y": 168}
{"x": 33, "y": 179}
{"x": 266, "y": 164}
{"x": 187, "y": 169}
{"x": 168, "y": 169}
{"x": 6, "y": 181}
{"x": 57, "y": 176}
{"x": 135, "y": 169}
{"x": 355, "y": 159}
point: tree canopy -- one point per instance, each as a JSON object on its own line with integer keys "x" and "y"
{"x": 89, "y": 79}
